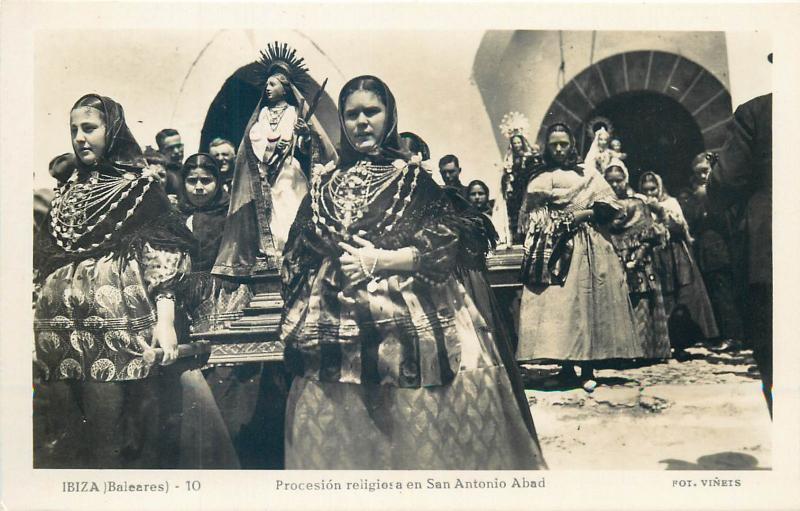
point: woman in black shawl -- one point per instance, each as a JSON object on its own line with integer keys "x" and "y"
{"x": 109, "y": 261}
{"x": 394, "y": 366}
{"x": 204, "y": 203}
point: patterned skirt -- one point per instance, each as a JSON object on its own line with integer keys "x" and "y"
{"x": 471, "y": 423}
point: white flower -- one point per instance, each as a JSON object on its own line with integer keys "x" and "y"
{"x": 399, "y": 164}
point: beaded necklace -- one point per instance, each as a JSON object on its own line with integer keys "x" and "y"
{"x": 80, "y": 206}
{"x": 275, "y": 114}
{"x": 346, "y": 196}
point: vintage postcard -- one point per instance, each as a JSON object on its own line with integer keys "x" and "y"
{"x": 398, "y": 255}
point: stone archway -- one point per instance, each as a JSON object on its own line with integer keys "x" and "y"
{"x": 685, "y": 89}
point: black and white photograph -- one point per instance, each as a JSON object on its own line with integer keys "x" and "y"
{"x": 334, "y": 255}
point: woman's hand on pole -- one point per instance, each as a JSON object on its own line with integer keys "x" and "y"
{"x": 164, "y": 335}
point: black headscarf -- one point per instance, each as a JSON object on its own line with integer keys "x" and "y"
{"x": 143, "y": 215}
{"x": 390, "y": 146}
{"x": 571, "y": 163}
{"x": 122, "y": 153}
{"x": 220, "y": 199}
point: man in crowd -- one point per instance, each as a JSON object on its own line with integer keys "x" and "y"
{"x": 742, "y": 180}
{"x": 225, "y": 153}
{"x": 170, "y": 145}
{"x": 451, "y": 172}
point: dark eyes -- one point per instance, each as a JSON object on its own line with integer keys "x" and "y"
{"x": 204, "y": 181}
{"x": 369, "y": 112}
{"x": 87, "y": 128}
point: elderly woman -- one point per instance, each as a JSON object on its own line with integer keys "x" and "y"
{"x": 109, "y": 261}
{"x": 394, "y": 366}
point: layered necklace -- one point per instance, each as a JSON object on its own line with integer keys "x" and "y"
{"x": 80, "y": 206}
{"x": 345, "y": 198}
{"x": 275, "y": 114}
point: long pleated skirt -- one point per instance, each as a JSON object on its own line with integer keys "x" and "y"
{"x": 589, "y": 318}
{"x": 471, "y": 423}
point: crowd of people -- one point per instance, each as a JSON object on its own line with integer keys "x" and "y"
{"x": 398, "y": 353}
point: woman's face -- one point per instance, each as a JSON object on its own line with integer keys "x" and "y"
{"x": 275, "y": 91}
{"x": 650, "y": 188}
{"x": 161, "y": 171}
{"x": 558, "y": 144}
{"x": 701, "y": 172}
{"x": 478, "y": 196}
{"x": 201, "y": 186}
{"x": 517, "y": 145}
{"x": 88, "y": 134}
{"x": 364, "y": 120}
{"x": 616, "y": 179}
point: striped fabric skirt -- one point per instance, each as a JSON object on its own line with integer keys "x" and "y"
{"x": 381, "y": 398}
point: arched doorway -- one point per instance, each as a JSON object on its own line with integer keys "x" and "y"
{"x": 231, "y": 108}
{"x": 664, "y": 107}
{"x": 658, "y": 134}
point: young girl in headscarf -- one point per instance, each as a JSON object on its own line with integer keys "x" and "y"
{"x": 394, "y": 366}
{"x": 636, "y": 236}
{"x": 575, "y": 307}
{"x": 110, "y": 259}
{"x": 685, "y": 296}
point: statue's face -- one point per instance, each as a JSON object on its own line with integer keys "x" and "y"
{"x": 701, "y": 172}
{"x": 616, "y": 145}
{"x": 274, "y": 89}
{"x": 517, "y": 145}
{"x": 602, "y": 140}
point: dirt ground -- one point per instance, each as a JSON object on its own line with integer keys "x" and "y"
{"x": 703, "y": 413}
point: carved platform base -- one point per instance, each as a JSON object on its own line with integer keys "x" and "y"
{"x": 251, "y": 335}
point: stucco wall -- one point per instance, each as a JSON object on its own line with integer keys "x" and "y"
{"x": 519, "y": 70}
{"x": 169, "y": 78}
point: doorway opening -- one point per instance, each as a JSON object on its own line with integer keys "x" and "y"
{"x": 657, "y": 134}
